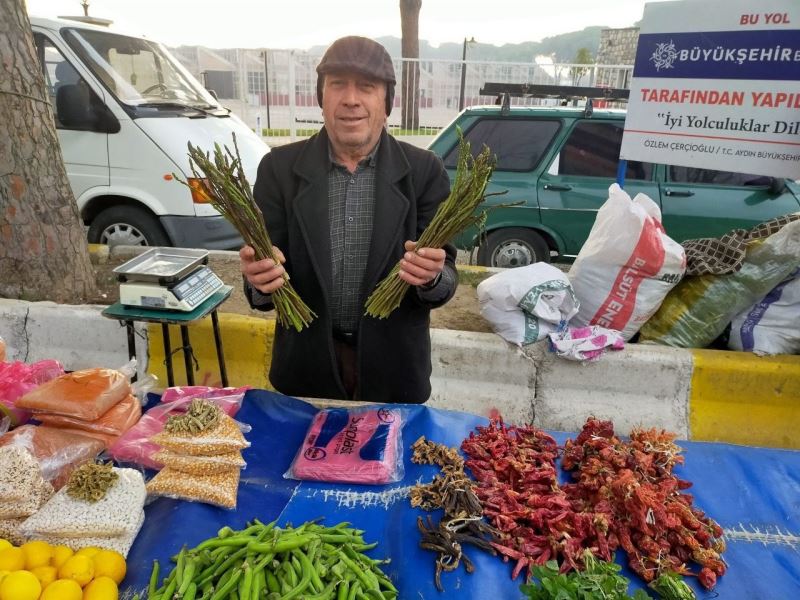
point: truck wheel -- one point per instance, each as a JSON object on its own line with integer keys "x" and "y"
{"x": 513, "y": 247}
{"x": 127, "y": 225}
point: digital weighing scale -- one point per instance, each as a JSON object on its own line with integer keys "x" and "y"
{"x": 167, "y": 279}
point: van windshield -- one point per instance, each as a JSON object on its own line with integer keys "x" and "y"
{"x": 138, "y": 71}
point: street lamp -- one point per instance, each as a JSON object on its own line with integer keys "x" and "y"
{"x": 266, "y": 82}
{"x": 463, "y": 72}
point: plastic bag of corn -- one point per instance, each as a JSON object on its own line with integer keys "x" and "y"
{"x": 225, "y": 437}
{"x": 219, "y": 489}
{"x": 200, "y": 465}
{"x": 114, "y": 515}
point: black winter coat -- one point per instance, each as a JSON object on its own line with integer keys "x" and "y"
{"x": 394, "y": 354}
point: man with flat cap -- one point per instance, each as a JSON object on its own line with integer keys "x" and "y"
{"x": 344, "y": 206}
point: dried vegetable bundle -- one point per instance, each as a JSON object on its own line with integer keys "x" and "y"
{"x": 202, "y": 451}
{"x": 454, "y": 215}
{"x": 518, "y": 486}
{"x": 462, "y": 522}
{"x": 224, "y": 184}
{"x": 633, "y": 486}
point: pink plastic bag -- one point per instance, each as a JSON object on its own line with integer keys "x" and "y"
{"x": 351, "y": 446}
{"x": 17, "y": 379}
{"x": 134, "y": 446}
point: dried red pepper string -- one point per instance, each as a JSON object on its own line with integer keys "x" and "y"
{"x": 633, "y": 485}
{"x": 518, "y": 486}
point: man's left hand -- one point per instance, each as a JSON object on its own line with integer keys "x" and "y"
{"x": 420, "y": 266}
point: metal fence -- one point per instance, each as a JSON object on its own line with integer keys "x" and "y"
{"x": 275, "y": 91}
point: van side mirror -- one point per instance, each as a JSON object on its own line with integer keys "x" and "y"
{"x": 777, "y": 185}
{"x": 78, "y": 108}
{"x": 72, "y": 106}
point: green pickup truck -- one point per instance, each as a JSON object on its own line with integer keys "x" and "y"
{"x": 560, "y": 161}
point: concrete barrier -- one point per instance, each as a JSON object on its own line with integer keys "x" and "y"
{"x": 701, "y": 394}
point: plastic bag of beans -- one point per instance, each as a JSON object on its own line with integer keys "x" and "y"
{"x": 200, "y": 465}
{"x": 57, "y": 451}
{"x": 219, "y": 489}
{"x": 223, "y": 438}
{"x": 113, "y": 515}
{"x": 22, "y": 487}
{"x": 121, "y": 544}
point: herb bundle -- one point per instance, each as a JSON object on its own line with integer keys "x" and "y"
{"x": 454, "y": 215}
{"x": 224, "y": 184}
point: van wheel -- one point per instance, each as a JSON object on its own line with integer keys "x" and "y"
{"x": 513, "y": 247}
{"x": 128, "y": 226}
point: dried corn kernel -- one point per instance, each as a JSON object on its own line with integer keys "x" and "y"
{"x": 220, "y": 489}
{"x": 224, "y": 438}
{"x": 200, "y": 465}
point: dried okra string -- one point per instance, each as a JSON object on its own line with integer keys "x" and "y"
{"x": 91, "y": 481}
{"x": 201, "y": 416}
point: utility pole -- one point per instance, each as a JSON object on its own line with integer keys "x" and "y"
{"x": 463, "y": 72}
{"x": 265, "y": 54}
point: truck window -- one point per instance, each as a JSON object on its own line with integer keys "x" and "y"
{"x": 518, "y": 144}
{"x": 58, "y": 72}
{"x": 592, "y": 150}
{"x": 711, "y": 177}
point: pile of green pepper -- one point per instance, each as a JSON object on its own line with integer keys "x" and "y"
{"x": 309, "y": 562}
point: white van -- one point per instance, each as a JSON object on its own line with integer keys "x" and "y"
{"x": 125, "y": 109}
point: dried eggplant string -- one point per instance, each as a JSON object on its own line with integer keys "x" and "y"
{"x": 453, "y": 492}
{"x": 91, "y": 481}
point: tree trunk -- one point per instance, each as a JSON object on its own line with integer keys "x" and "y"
{"x": 43, "y": 250}
{"x": 409, "y": 92}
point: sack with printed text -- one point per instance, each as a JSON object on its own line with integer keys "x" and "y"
{"x": 771, "y": 325}
{"x": 627, "y": 265}
{"x": 525, "y": 304}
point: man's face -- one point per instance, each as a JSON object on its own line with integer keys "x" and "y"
{"x": 354, "y": 110}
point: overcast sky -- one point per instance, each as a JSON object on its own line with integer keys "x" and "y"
{"x": 305, "y": 23}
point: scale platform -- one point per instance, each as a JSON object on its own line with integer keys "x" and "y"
{"x": 167, "y": 279}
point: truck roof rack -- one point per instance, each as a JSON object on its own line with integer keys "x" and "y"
{"x": 504, "y": 91}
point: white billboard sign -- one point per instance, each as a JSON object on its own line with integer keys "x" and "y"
{"x": 716, "y": 85}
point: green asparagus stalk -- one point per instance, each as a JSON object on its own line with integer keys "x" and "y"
{"x": 455, "y": 214}
{"x": 224, "y": 184}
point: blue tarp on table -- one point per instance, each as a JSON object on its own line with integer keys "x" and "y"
{"x": 754, "y": 493}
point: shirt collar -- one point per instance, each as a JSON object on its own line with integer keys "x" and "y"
{"x": 369, "y": 160}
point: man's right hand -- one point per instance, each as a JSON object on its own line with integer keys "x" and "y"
{"x": 264, "y": 275}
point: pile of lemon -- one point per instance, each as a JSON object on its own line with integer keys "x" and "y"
{"x": 38, "y": 571}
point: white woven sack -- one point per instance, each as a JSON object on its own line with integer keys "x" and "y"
{"x": 627, "y": 265}
{"x": 524, "y": 304}
{"x": 771, "y": 326}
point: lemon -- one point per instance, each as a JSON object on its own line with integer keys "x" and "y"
{"x": 111, "y": 564}
{"x": 62, "y": 589}
{"x": 3, "y": 574}
{"x": 12, "y": 559}
{"x": 37, "y": 554}
{"x": 78, "y": 567}
{"x": 88, "y": 551}
{"x": 60, "y": 555}
{"x": 101, "y": 588}
{"x": 45, "y": 575}
{"x": 20, "y": 585}
{"x": 5, "y": 544}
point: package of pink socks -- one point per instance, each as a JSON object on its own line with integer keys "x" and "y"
{"x": 351, "y": 446}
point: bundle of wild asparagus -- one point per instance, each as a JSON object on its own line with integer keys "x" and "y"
{"x": 223, "y": 182}
{"x": 454, "y": 215}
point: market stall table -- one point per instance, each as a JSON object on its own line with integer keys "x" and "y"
{"x": 754, "y": 493}
{"x": 128, "y": 315}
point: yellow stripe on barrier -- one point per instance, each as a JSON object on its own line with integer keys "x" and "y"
{"x": 246, "y": 343}
{"x": 741, "y": 398}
